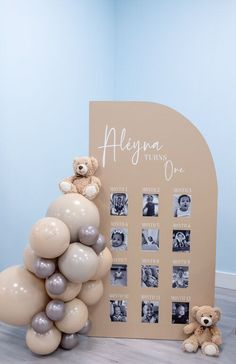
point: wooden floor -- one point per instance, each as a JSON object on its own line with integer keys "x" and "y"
{"x": 102, "y": 350}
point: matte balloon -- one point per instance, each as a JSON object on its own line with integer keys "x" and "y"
{"x": 43, "y": 344}
{"x": 87, "y": 327}
{"x": 56, "y": 284}
{"x": 72, "y": 290}
{"x": 91, "y": 292}
{"x": 30, "y": 259}
{"x": 88, "y": 235}
{"x": 104, "y": 264}
{"x": 44, "y": 268}
{"x": 41, "y": 323}
{"x": 49, "y": 237}
{"x": 100, "y": 244}
{"x": 22, "y": 295}
{"x": 55, "y": 310}
{"x": 75, "y": 211}
{"x": 76, "y": 314}
{"x": 69, "y": 341}
{"x": 79, "y": 263}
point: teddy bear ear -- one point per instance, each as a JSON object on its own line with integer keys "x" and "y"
{"x": 194, "y": 310}
{"x": 217, "y": 312}
{"x": 94, "y": 163}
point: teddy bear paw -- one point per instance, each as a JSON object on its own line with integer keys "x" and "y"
{"x": 90, "y": 192}
{"x": 210, "y": 349}
{"x": 66, "y": 187}
{"x": 189, "y": 347}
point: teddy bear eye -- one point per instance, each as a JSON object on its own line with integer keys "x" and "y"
{"x": 210, "y": 316}
{"x": 202, "y": 315}
{"x": 86, "y": 163}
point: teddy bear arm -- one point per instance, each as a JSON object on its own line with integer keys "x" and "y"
{"x": 66, "y": 185}
{"x": 216, "y": 336}
{"x": 190, "y": 328}
{"x": 96, "y": 180}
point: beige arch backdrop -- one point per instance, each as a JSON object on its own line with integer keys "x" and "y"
{"x": 158, "y": 208}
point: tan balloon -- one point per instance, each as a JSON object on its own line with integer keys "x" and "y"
{"x": 91, "y": 292}
{"x": 104, "y": 264}
{"x": 72, "y": 290}
{"x": 22, "y": 295}
{"x": 43, "y": 344}
{"x": 49, "y": 237}
{"x": 75, "y": 211}
{"x": 76, "y": 315}
{"x": 79, "y": 263}
{"x": 30, "y": 258}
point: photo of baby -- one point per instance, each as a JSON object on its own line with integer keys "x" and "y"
{"x": 150, "y": 204}
{"x": 150, "y": 312}
{"x": 180, "y": 277}
{"x": 180, "y": 312}
{"x": 150, "y": 239}
{"x": 119, "y": 204}
{"x": 118, "y": 275}
{"x": 181, "y": 241}
{"x": 118, "y": 311}
{"x": 119, "y": 239}
{"x": 182, "y": 205}
{"x": 149, "y": 276}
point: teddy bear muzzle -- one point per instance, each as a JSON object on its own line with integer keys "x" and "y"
{"x": 206, "y": 321}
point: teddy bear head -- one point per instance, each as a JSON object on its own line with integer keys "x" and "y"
{"x": 85, "y": 166}
{"x": 206, "y": 315}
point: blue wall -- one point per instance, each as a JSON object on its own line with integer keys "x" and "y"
{"x": 182, "y": 54}
{"x": 56, "y": 55}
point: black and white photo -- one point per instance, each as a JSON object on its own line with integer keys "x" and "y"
{"x": 118, "y": 275}
{"x": 149, "y": 276}
{"x": 182, "y": 205}
{"x": 181, "y": 241}
{"x": 180, "y": 312}
{"x": 118, "y": 311}
{"x": 119, "y": 204}
{"x": 150, "y": 312}
{"x": 150, "y": 239}
{"x": 150, "y": 204}
{"x": 180, "y": 277}
{"x": 119, "y": 239}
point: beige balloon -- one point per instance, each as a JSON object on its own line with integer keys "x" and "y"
{"x": 104, "y": 264}
{"x": 72, "y": 290}
{"x": 76, "y": 315}
{"x": 79, "y": 263}
{"x": 49, "y": 237}
{"x": 22, "y": 295}
{"x": 91, "y": 292}
{"x": 75, "y": 211}
{"x": 29, "y": 258}
{"x": 43, "y": 344}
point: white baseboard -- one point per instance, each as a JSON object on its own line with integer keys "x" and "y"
{"x": 225, "y": 280}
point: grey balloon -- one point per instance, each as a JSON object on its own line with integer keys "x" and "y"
{"x": 100, "y": 244}
{"x": 87, "y": 327}
{"x": 69, "y": 341}
{"x": 41, "y": 323}
{"x": 88, "y": 235}
{"x": 56, "y": 284}
{"x": 55, "y": 310}
{"x": 44, "y": 268}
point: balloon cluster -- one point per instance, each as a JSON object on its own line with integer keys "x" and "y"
{"x": 63, "y": 266}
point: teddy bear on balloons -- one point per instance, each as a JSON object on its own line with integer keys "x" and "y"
{"x": 64, "y": 264}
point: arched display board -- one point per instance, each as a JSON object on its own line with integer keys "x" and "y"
{"x": 158, "y": 207}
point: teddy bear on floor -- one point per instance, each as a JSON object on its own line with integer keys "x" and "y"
{"x": 205, "y": 333}
{"x": 83, "y": 181}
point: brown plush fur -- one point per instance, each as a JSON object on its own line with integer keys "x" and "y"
{"x": 83, "y": 181}
{"x": 203, "y": 330}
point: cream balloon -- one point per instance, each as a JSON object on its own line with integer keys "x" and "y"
{"x": 22, "y": 295}
{"x": 91, "y": 292}
{"x": 30, "y": 259}
{"x": 43, "y": 344}
{"x": 75, "y": 211}
{"x": 49, "y": 237}
{"x": 79, "y": 263}
{"x": 104, "y": 264}
{"x": 72, "y": 290}
{"x": 76, "y": 315}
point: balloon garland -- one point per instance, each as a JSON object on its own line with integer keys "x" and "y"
{"x": 64, "y": 264}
